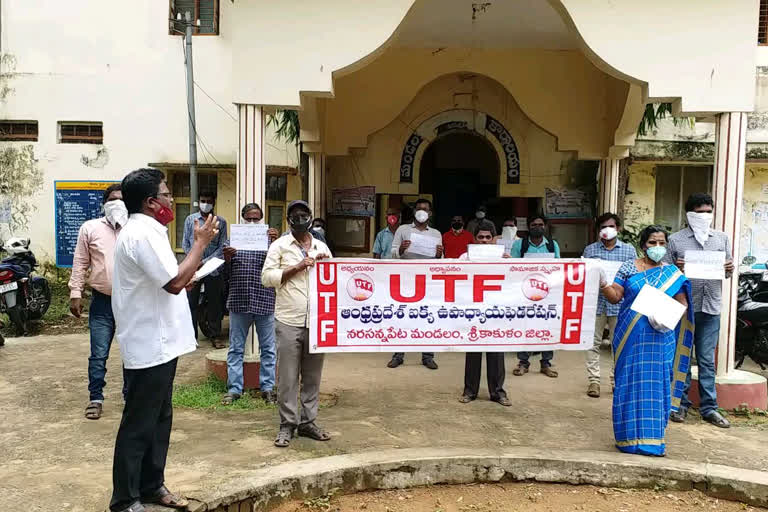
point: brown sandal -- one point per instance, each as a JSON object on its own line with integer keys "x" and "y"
{"x": 218, "y": 344}
{"x": 166, "y": 498}
{"x": 312, "y": 431}
{"x": 93, "y": 410}
{"x": 549, "y": 372}
{"x": 520, "y": 370}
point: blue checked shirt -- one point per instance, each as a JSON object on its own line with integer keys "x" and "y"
{"x": 246, "y": 293}
{"x": 620, "y": 252}
{"x": 215, "y": 248}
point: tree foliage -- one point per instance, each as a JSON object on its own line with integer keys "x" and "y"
{"x": 655, "y": 113}
{"x": 286, "y": 123}
{"x": 20, "y": 180}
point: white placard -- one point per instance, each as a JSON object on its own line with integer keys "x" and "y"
{"x": 208, "y": 267}
{"x": 485, "y": 252}
{"x": 522, "y": 223}
{"x": 540, "y": 255}
{"x": 663, "y": 308}
{"x": 611, "y": 268}
{"x": 423, "y": 245}
{"x": 249, "y": 237}
{"x": 705, "y": 265}
{"x": 507, "y": 244}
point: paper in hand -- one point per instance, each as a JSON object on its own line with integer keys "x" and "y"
{"x": 540, "y": 255}
{"x": 208, "y": 267}
{"x": 485, "y": 252}
{"x": 423, "y": 245}
{"x": 653, "y": 302}
{"x": 249, "y": 237}
{"x": 705, "y": 265}
{"x": 611, "y": 268}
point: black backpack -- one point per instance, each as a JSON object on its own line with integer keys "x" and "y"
{"x": 526, "y": 244}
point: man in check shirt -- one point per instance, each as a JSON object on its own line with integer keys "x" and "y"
{"x": 400, "y": 245}
{"x": 154, "y": 328}
{"x": 250, "y": 303}
{"x": 95, "y": 250}
{"x": 608, "y": 248}
{"x": 286, "y": 269}
{"x": 707, "y": 301}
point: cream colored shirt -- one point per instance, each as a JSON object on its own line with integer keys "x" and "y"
{"x": 292, "y": 296}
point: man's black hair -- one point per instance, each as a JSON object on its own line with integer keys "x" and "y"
{"x": 484, "y": 225}
{"x": 423, "y": 200}
{"x": 536, "y": 216}
{"x": 112, "y": 188}
{"x": 251, "y": 206}
{"x": 208, "y": 192}
{"x": 698, "y": 199}
{"x": 606, "y": 217}
{"x": 139, "y": 185}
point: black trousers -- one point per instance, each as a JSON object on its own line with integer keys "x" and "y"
{"x": 473, "y": 367}
{"x": 214, "y": 289}
{"x": 138, "y": 469}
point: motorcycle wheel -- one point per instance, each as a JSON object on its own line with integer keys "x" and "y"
{"x": 19, "y": 319}
{"x": 2, "y": 340}
{"x": 203, "y": 323}
{"x": 42, "y": 294}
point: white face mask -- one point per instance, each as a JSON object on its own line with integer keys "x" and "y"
{"x": 608, "y": 233}
{"x": 421, "y": 216}
{"x": 116, "y": 212}
{"x": 700, "y": 223}
{"x": 319, "y": 229}
{"x": 480, "y": 215}
{"x": 206, "y": 207}
{"x": 508, "y": 232}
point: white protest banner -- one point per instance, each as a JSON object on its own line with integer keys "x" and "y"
{"x": 249, "y": 237}
{"x": 362, "y": 305}
{"x": 705, "y": 265}
{"x": 485, "y": 252}
{"x": 423, "y": 245}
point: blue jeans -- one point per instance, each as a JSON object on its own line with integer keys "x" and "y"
{"x": 102, "y": 326}
{"x": 705, "y": 336}
{"x": 239, "y": 326}
{"x": 546, "y": 358}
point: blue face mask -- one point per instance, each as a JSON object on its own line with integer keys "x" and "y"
{"x": 656, "y": 253}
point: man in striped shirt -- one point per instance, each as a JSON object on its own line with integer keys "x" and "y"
{"x": 607, "y": 248}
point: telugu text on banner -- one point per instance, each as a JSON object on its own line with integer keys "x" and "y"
{"x": 362, "y": 305}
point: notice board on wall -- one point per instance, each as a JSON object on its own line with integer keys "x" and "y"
{"x": 75, "y": 203}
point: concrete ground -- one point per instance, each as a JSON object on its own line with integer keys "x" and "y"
{"x": 55, "y": 459}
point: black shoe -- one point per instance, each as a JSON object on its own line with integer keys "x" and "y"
{"x": 717, "y": 420}
{"x": 679, "y": 415}
{"x": 394, "y": 362}
{"x": 269, "y": 397}
{"x": 430, "y": 363}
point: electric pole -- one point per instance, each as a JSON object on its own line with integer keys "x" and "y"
{"x": 188, "y": 26}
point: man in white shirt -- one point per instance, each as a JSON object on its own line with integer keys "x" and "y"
{"x": 400, "y": 249}
{"x": 154, "y": 328}
{"x": 286, "y": 269}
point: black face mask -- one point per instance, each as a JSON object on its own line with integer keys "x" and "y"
{"x": 537, "y": 232}
{"x": 457, "y": 225}
{"x": 299, "y": 225}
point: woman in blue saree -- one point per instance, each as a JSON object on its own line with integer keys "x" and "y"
{"x": 651, "y": 361}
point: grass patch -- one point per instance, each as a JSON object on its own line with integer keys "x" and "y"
{"x": 206, "y": 395}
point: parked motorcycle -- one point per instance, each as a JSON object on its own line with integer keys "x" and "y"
{"x": 23, "y": 296}
{"x": 752, "y": 318}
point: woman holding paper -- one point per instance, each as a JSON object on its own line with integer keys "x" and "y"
{"x": 651, "y": 359}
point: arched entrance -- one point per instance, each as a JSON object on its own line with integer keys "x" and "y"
{"x": 460, "y": 170}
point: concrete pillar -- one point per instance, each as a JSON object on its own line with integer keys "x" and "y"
{"x": 734, "y": 387}
{"x": 608, "y": 181}
{"x": 251, "y": 167}
{"x": 317, "y": 184}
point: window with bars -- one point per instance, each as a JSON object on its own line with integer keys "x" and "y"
{"x": 81, "y": 133}
{"x": 207, "y": 11}
{"x": 674, "y": 183}
{"x": 762, "y": 27}
{"x": 18, "y": 131}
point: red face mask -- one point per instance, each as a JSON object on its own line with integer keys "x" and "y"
{"x": 391, "y": 220}
{"x": 164, "y": 215}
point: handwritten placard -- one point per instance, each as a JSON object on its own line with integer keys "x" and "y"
{"x": 423, "y": 245}
{"x": 485, "y": 252}
{"x": 705, "y": 265}
{"x": 249, "y": 237}
{"x": 652, "y": 302}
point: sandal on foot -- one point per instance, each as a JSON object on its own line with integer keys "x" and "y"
{"x": 284, "y": 437}
{"x": 520, "y": 370}
{"x": 217, "y": 344}
{"x": 312, "y": 431}
{"x": 166, "y": 498}
{"x": 465, "y": 399}
{"x": 549, "y": 372}
{"x": 229, "y": 398}
{"x": 502, "y": 400}
{"x": 93, "y": 410}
